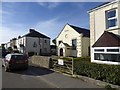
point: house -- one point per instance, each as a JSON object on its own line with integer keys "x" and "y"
{"x": 105, "y": 33}
{"x": 32, "y": 43}
{"x": 7, "y": 45}
{"x": 73, "y": 41}
{"x": 53, "y": 49}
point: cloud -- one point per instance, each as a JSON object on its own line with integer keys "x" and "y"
{"x": 9, "y": 32}
{"x": 50, "y": 27}
{"x": 49, "y": 5}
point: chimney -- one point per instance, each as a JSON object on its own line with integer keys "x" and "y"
{"x": 31, "y": 30}
{"x": 19, "y": 37}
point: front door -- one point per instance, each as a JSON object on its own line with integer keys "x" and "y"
{"x": 61, "y": 52}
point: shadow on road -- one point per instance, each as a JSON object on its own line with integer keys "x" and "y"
{"x": 33, "y": 71}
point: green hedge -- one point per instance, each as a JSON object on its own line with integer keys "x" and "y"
{"x": 107, "y": 73}
{"x": 83, "y": 58}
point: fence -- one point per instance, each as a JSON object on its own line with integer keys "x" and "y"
{"x": 63, "y": 65}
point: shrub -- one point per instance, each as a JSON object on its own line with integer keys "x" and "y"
{"x": 107, "y": 73}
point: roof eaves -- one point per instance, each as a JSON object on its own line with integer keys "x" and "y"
{"x": 101, "y": 6}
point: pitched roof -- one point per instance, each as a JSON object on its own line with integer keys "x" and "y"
{"x": 34, "y": 33}
{"x": 108, "y": 39}
{"x": 66, "y": 45}
{"x": 85, "y": 32}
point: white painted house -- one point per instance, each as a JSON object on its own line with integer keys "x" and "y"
{"x": 73, "y": 41}
{"x": 105, "y": 33}
{"x": 33, "y": 42}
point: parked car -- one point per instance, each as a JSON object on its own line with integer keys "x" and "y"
{"x": 15, "y": 61}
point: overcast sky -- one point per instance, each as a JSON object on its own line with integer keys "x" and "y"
{"x": 47, "y": 18}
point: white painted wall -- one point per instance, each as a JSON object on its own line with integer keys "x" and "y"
{"x": 29, "y": 41}
{"x": 42, "y": 45}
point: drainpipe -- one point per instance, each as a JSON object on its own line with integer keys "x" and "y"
{"x": 119, "y": 17}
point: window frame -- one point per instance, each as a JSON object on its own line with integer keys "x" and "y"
{"x": 75, "y": 46}
{"x": 111, "y": 18}
{"x": 106, "y": 52}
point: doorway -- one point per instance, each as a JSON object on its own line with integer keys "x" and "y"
{"x": 61, "y": 52}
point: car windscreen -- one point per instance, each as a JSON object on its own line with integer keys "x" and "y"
{"x": 19, "y": 57}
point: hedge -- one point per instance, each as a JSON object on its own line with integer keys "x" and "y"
{"x": 107, "y": 73}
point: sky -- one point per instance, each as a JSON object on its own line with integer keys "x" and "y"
{"x": 48, "y": 18}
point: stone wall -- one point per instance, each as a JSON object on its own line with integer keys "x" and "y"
{"x": 41, "y": 61}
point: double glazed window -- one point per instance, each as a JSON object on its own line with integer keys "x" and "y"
{"x": 107, "y": 57}
{"x": 107, "y": 54}
{"x": 111, "y": 18}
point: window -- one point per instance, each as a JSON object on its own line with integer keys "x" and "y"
{"x": 99, "y": 50}
{"x": 74, "y": 44}
{"x": 45, "y": 41}
{"x": 34, "y": 44}
{"x": 111, "y": 18}
{"x": 107, "y": 57}
{"x": 112, "y": 50}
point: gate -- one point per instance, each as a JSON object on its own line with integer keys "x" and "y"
{"x": 63, "y": 65}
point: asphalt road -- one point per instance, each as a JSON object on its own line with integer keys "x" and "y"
{"x": 25, "y": 79}
{"x": 38, "y": 78}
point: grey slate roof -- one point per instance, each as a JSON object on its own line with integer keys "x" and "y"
{"x": 85, "y": 32}
{"x": 34, "y": 33}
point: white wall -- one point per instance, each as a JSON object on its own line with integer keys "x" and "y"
{"x": 29, "y": 45}
{"x": 42, "y": 45}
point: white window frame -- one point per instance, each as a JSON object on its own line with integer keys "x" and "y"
{"x": 107, "y": 19}
{"x": 105, "y": 52}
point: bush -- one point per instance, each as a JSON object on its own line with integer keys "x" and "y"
{"x": 107, "y": 73}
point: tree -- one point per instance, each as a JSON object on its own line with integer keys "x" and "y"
{"x": 54, "y": 41}
{"x": 10, "y": 49}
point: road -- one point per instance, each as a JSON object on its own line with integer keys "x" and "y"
{"x": 36, "y": 77}
{"x": 25, "y": 79}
